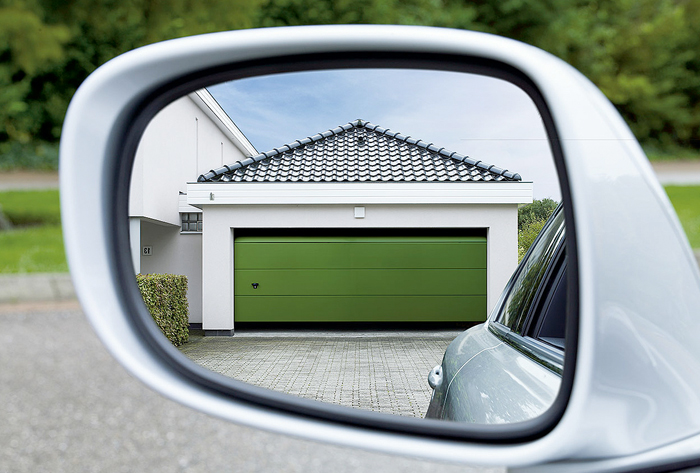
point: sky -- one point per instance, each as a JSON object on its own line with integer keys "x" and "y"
{"x": 481, "y": 117}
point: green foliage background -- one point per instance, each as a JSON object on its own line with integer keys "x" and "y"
{"x": 538, "y": 210}
{"x": 643, "y": 54}
{"x": 165, "y": 296}
{"x": 531, "y": 220}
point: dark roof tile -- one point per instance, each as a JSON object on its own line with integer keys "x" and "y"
{"x": 355, "y": 152}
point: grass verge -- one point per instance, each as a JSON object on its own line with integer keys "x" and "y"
{"x": 35, "y": 245}
{"x": 32, "y": 250}
{"x": 31, "y": 207}
{"x": 686, "y": 202}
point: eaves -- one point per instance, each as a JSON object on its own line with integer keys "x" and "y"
{"x": 412, "y": 193}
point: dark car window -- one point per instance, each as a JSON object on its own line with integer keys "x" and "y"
{"x": 531, "y": 273}
{"x": 548, "y": 323}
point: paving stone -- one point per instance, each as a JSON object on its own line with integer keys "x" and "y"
{"x": 376, "y": 371}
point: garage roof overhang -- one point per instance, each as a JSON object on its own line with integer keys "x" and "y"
{"x": 295, "y": 193}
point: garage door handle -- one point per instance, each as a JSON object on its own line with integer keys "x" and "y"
{"x": 255, "y": 285}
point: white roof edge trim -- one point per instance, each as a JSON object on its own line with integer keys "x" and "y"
{"x": 154, "y": 221}
{"x": 204, "y": 100}
{"x": 364, "y": 193}
{"x": 183, "y": 207}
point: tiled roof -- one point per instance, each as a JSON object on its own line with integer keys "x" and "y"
{"x": 359, "y": 152}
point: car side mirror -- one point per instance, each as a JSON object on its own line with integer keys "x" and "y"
{"x": 631, "y": 372}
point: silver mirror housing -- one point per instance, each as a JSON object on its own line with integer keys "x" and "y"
{"x": 632, "y": 381}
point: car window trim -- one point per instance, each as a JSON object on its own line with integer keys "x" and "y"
{"x": 539, "y": 351}
{"x": 544, "y": 287}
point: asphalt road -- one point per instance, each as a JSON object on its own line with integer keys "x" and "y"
{"x": 66, "y": 405}
{"x": 677, "y": 172}
{"x": 668, "y": 172}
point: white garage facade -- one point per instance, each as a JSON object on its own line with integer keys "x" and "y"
{"x": 358, "y": 223}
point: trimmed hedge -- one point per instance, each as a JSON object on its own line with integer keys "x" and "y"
{"x": 165, "y": 296}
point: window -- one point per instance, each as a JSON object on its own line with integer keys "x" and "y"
{"x": 550, "y": 326}
{"x": 191, "y": 222}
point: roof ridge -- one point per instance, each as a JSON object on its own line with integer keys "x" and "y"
{"x": 359, "y": 123}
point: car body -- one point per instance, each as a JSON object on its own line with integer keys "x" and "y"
{"x": 509, "y": 368}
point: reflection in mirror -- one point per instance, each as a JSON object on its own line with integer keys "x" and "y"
{"x": 332, "y": 234}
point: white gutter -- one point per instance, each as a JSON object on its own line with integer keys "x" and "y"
{"x": 204, "y": 100}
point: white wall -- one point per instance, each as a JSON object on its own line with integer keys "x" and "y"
{"x": 174, "y": 253}
{"x": 500, "y": 220}
{"x": 179, "y": 144}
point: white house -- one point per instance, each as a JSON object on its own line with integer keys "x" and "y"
{"x": 355, "y": 224}
{"x": 188, "y": 137}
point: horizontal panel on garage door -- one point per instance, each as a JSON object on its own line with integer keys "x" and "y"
{"x": 359, "y": 278}
{"x": 316, "y": 282}
{"x": 358, "y": 252}
{"x": 360, "y": 309}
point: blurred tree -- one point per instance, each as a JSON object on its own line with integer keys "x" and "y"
{"x": 29, "y": 47}
{"x": 48, "y": 47}
{"x": 643, "y": 54}
{"x": 407, "y": 12}
{"x": 645, "y": 57}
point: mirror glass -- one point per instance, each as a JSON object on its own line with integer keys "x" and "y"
{"x": 343, "y": 235}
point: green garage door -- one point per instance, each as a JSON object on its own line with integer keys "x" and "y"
{"x": 360, "y": 279}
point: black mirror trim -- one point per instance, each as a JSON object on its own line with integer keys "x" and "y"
{"x": 116, "y": 187}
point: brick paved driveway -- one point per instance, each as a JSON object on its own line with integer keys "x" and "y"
{"x": 378, "y": 371}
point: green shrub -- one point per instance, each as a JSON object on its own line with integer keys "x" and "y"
{"x": 531, "y": 220}
{"x": 536, "y": 211}
{"x": 670, "y": 153}
{"x": 165, "y": 296}
{"x": 526, "y": 236}
{"x": 39, "y": 156}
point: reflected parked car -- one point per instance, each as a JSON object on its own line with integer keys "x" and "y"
{"x": 509, "y": 368}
